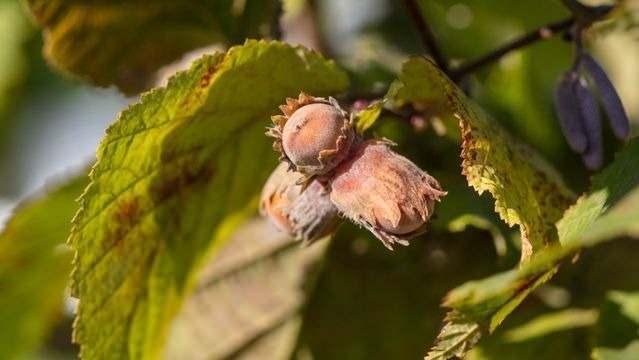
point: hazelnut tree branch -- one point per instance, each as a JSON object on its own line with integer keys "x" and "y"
{"x": 426, "y": 34}
{"x": 542, "y": 33}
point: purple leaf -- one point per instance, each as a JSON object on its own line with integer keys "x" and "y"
{"x": 609, "y": 97}
{"x": 570, "y": 117}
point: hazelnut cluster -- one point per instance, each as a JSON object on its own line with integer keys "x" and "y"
{"x": 328, "y": 172}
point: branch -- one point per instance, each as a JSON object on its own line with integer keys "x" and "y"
{"x": 426, "y": 34}
{"x": 541, "y": 33}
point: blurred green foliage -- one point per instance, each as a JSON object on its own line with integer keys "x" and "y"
{"x": 15, "y": 31}
{"x": 34, "y": 268}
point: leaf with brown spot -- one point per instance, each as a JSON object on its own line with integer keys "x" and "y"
{"x": 608, "y": 211}
{"x": 527, "y": 191}
{"x": 175, "y": 174}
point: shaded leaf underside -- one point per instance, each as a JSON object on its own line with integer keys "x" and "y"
{"x": 126, "y": 42}
{"x": 248, "y": 299}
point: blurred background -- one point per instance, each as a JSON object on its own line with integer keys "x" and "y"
{"x": 51, "y": 124}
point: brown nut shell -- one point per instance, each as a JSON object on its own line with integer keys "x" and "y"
{"x": 304, "y": 212}
{"x": 313, "y": 135}
{"x": 384, "y": 192}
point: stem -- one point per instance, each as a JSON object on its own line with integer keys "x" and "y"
{"x": 276, "y": 21}
{"x": 426, "y": 34}
{"x": 322, "y": 45}
{"x": 541, "y": 33}
{"x": 579, "y": 47}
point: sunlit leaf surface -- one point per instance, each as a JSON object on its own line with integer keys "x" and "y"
{"x": 174, "y": 176}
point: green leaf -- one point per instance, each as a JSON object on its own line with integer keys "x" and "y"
{"x": 585, "y": 222}
{"x": 175, "y": 175}
{"x": 550, "y": 323}
{"x": 34, "y": 269}
{"x": 454, "y": 340}
{"x": 630, "y": 352}
{"x": 526, "y": 189}
{"x": 367, "y": 117}
{"x": 618, "y": 324}
{"x": 609, "y": 210}
{"x": 628, "y": 303}
{"x": 557, "y": 335}
{"x": 124, "y": 43}
{"x": 249, "y": 298}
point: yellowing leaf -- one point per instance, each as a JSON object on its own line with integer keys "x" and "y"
{"x": 174, "y": 176}
{"x": 125, "y": 42}
{"x": 365, "y": 118}
{"x": 34, "y": 270}
{"x": 526, "y": 190}
{"x": 609, "y": 210}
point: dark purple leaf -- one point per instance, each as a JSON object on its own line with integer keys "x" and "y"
{"x": 593, "y": 156}
{"x": 609, "y": 97}
{"x": 570, "y": 118}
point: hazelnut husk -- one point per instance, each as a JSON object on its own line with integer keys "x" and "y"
{"x": 384, "y": 192}
{"x": 313, "y": 135}
{"x": 302, "y": 210}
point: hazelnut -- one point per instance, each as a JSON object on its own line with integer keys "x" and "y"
{"x": 304, "y": 212}
{"x": 313, "y": 135}
{"x": 384, "y": 192}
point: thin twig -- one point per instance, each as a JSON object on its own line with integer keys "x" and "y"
{"x": 541, "y": 33}
{"x": 322, "y": 44}
{"x": 426, "y": 34}
{"x": 276, "y": 21}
